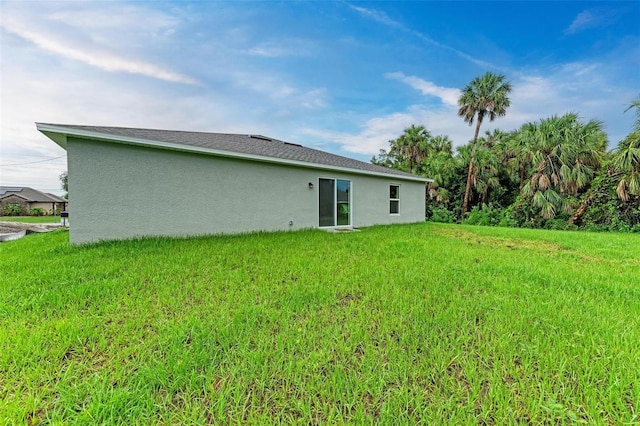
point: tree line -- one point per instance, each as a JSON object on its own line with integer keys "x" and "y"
{"x": 554, "y": 173}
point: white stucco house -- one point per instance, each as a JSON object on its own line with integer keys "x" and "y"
{"x": 129, "y": 182}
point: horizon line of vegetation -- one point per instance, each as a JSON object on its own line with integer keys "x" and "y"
{"x": 554, "y": 173}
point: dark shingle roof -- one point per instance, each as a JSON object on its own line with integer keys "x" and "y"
{"x": 250, "y": 145}
{"x": 30, "y": 194}
{"x": 4, "y": 189}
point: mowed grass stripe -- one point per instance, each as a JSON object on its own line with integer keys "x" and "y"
{"x": 405, "y": 324}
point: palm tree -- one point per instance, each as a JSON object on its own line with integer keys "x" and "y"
{"x": 566, "y": 154}
{"x": 485, "y": 96}
{"x": 439, "y": 144}
{"x": 626, "y": 159}
{"x": 409, "y": 151}
{"x": 635, "y": 104}
{"x": 519, "y": 151}
{"x": 486, "y": 167}
{"x": 412, "y": 145}
{"x": 439, "y": 166}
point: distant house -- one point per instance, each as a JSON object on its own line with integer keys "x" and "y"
{"x": 29, "y": 198}
{"x": 161, "y": 182}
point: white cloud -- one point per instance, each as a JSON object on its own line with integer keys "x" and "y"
{"x": 587, "y": 19}
{"x": 250, "y": 86}
{"x": 581, "y": 87}
{"x": 384, "y": 19}
{"x": 48, "y": 95}
{"x": 279, "y": 90}
{"x": 378, "y": 16}
{"x": 448, "y": 96}
{"x": 315, "y": 98}
{"x": 268, "y": 50}
{"x": 292, "y": 47}
{"x": 62, "y": 35}
{"x": 103, "y": 60}
{"x": 579, "y": 69}
{"x": 114, "y": 15}
{"x": 374, "y": 133}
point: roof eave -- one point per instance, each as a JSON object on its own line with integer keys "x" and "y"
{"x": 9, "y": 194}
{"x": 59, "y": 134}
{"x": 57, "y": 137}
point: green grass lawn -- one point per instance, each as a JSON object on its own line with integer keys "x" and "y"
{"x": 426, "y": 323}
{"x": 31, "y": 219}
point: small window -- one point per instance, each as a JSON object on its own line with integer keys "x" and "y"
{"x": 394, "y": 199}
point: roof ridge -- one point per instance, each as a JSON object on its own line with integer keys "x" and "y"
{"x": 240, "y": 145}
{"x": 202, "y": 132}
{"x": 29, "y": 194}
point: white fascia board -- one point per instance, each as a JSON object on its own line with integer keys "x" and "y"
{"x": 59, "y": 135}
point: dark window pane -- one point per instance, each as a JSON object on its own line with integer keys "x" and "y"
{"x": 394, "y": 191}
{"x": 326, "y": 202}
{"x": 343, "y": 214}
{"x": 343, "y": 190}
{"x": 344, "y": 211}
{"x": 394, "y": 207}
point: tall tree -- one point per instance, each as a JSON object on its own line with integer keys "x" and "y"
{"x": 635, "y": 104}
{"x": 64, "y": 183}
{"x": 621, "y": 173}
{"x": 412, "y": 146}
{"x": 407, "y": 151}
{"x": 566, "y": 156}
{"x": 486, "y": 167}
{"x": 626, "y": 159}
{"x": 416, "y": 151}
{"x": 519, "y": 151}
{"x": 486, "y": 96}
{"x": 439, "y": 166}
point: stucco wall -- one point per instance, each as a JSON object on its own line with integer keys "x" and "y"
{"x": 122, "y": 191}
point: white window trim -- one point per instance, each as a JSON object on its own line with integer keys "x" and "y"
{"x": 394, "y": 199}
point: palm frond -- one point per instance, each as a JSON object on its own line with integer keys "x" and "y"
{"x": 634, "y": 183}
{"x": 621, "y": 190}
{"x": 548, "y": 210}
{"x": 544, "y": 182}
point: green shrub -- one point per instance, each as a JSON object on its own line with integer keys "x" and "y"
{"x": 559, "y": 224}
{"x": 519, "y": 215}
{"x": 36, "y": 211}
{"x": 12, "y": 209}
{"x": 605, "y": 211}
{"x": 442, "y": 215}
{"x": 486, "y": 215}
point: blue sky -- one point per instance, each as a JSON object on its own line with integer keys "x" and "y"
{"x": 342, "y": 76}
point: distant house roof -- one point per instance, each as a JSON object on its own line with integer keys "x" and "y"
{"x": 31, "y": 195}
{"x": 251, "y": 147}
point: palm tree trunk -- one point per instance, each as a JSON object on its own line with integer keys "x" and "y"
{"x": 577, "y": 216}
{"x": 465, "y": 203}
{"x": 583, "y": 208}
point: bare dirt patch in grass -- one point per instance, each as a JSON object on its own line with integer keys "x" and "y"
{"x": 546, "y": 247}
{"x": 12, "y": 227}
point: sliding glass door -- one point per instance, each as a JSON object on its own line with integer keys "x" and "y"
{"x": 327, "y": 202}
{"x": 334, "y": 202}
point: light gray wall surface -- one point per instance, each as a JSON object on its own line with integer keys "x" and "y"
{"x": 123, "y": 191}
